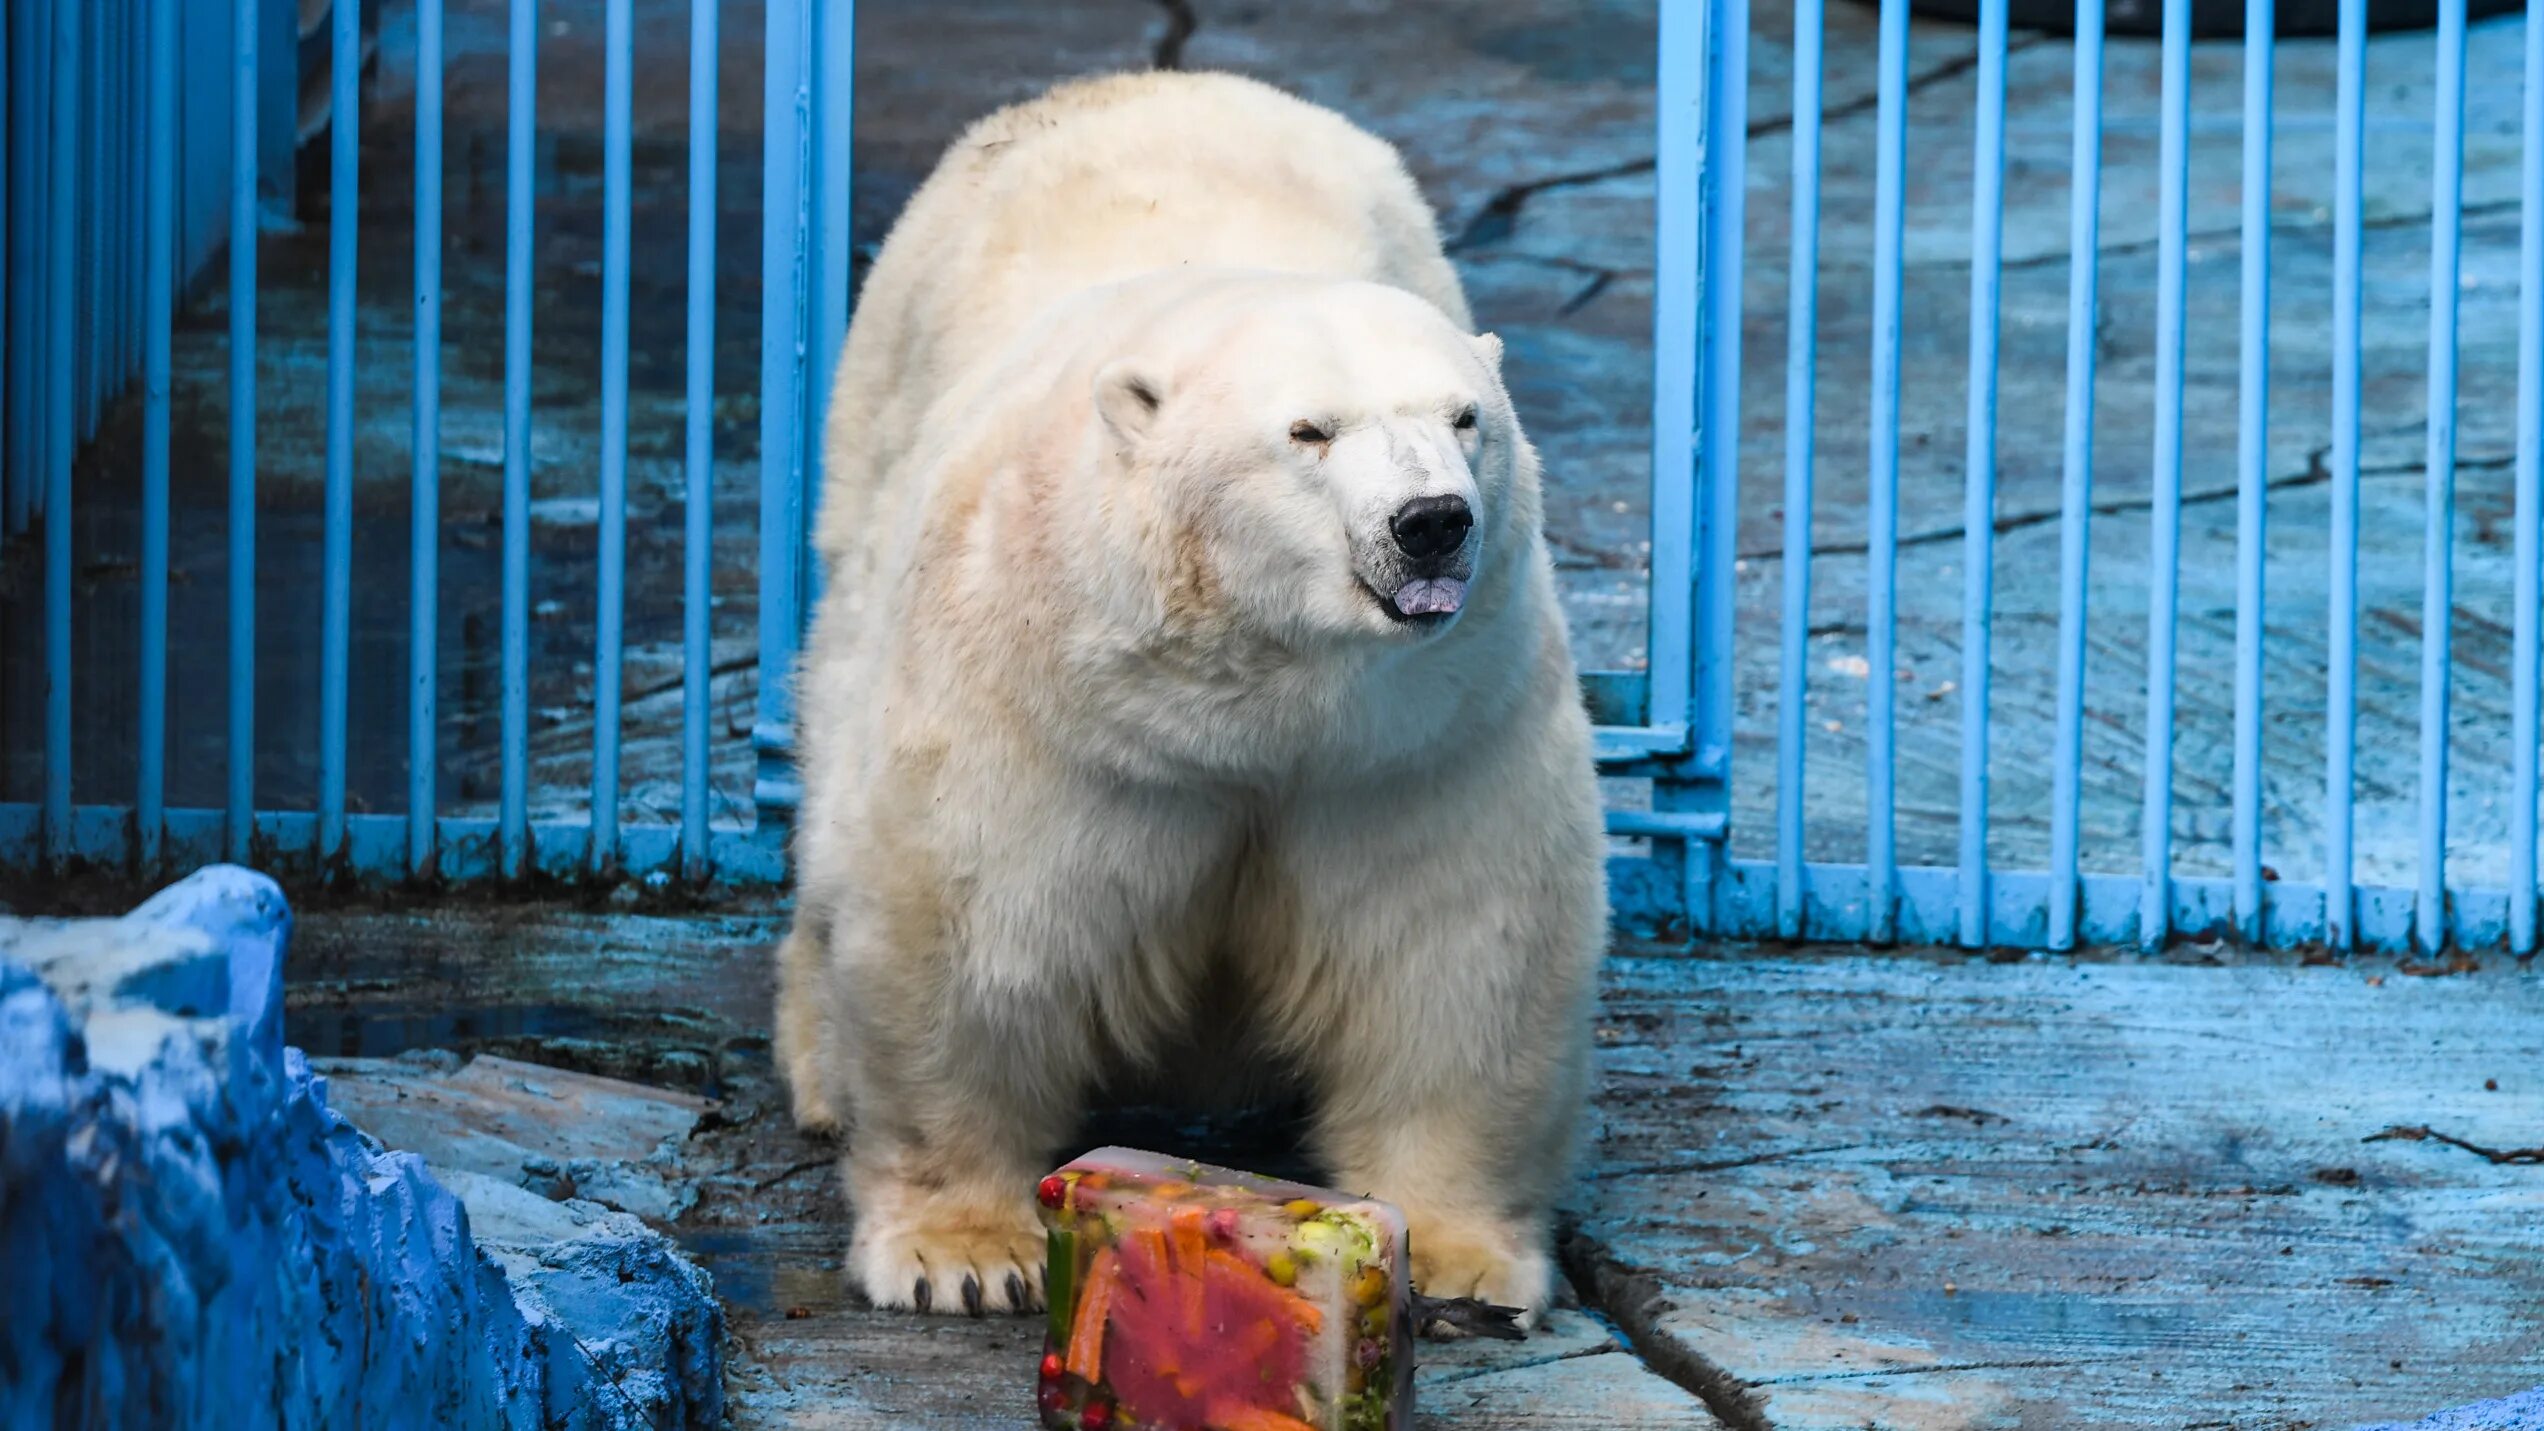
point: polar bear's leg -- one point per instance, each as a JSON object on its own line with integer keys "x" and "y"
{"x": 962, "y": 1089}
{"x": 1450, "y": 951}
{"x": 804, "y": 1028}
{"x": 1467, "y": 1153}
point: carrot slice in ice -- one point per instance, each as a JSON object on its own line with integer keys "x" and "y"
{"x": 1192, "y": 1261}
{"x": 1236, "y": 1416}
{"x": 1095, "y": 1305}
{"x": 1228, "y": 1266}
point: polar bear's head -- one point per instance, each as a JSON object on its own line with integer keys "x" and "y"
{"x": 1326, "y": 458}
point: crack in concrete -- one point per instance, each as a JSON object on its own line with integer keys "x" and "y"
{"x": 1180, "y": 24}
{"x": 1814, "y": 1378}
{"x": 1719, "y": 1165}
{"x": 1477, "y": 1373}
{"x": 1499, "y": 216}
{"x": 2315, "y": 474}
{"x": 1597, "y": 276}
{"x": 1632, "y": 1303}
{"x": 1866, "y": 103}
{"x": 2135, "y": 247}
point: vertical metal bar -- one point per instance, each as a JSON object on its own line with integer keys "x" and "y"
{"x": 1978, "y": 480}
{"x": 158, "y": 323}
{"x": 98, "y": 240}
{"x": 2437, "y": 600}
{"x": 1678, "y": 246}
{"x": 278, "y": 102}
{"x": 12, "y": 204}
{"x": 1726, "y": 169}
{"x": 27, "y": 43}
{"x": 2075, "y": 505}
{"x": 513, "y": 810}
{"x": 57, "y": 467}
{"x": 2155, "y": 922}
{"x": 48, "y": 298}
{"x": 239, "y": 826}
{"x": 85, "y": 229}
{"x": 2341, "y": 715}
{"x": 136, "y": 184}
{"x": 30, "y": 494}
{"x": 46, "y": 377}
{"x": 2529, "y": 510}
{"x": 782, "y": 324}
{"x": 344, "y": 236}
{"x": 423, "y": 645}
{"x": 137, "y": 166}
{"x": 1881, "y": 613}
{"x": 2252, "y": 455}
{"x": 109, "y": 238}
{"x": 834, "y": 83}
{"x": 114, "y": 193}
{"x": 698, "y": 485}
{"x": 617, "y": 124}
{"x": 1800, "y": 366}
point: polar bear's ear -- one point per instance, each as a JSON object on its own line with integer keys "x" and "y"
{"x": 1128, "y": 398}
{"x": 1489, "y": 347}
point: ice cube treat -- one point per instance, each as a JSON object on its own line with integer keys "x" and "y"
{"x": 1185, "y": 1297}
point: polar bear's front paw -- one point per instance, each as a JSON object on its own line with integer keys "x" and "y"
{"x": 960, "y": 1262}
{"x": 1492, "y": 1261}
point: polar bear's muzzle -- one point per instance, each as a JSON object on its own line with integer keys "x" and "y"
{"x": 1420, "y": 575}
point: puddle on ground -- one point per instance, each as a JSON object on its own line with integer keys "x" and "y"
{"x": 386, "y": 1033}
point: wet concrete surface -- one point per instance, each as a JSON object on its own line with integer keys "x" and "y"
{"x": 1820, "y": 1188}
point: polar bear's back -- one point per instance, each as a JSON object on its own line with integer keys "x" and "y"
{"x": 1104, "y": 179}
{"x": 1098, "y": 181}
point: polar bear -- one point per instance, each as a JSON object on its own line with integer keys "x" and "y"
{"x": 1188, "y": 704}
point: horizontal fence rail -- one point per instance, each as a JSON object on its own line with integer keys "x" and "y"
{"x": 141, "y": 141}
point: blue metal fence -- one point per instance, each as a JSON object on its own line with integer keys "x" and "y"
{"x": 134, "y": 67}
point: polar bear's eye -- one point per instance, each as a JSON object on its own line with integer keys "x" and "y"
{"x": 1309, "y": 432}
{"x": 1465, "y": 421}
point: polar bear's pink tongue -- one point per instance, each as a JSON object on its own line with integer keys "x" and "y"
{"x": 1431, "y": 596}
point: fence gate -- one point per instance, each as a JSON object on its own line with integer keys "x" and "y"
{"x": 142, "y": 140}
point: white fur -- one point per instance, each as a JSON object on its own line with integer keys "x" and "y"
{"x": 1115, "y": 767}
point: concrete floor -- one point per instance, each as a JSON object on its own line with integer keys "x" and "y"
{"x": 1820, "y": 1190}
{"x": 1531, "y": 131}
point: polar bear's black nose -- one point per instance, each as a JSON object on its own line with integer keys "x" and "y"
{"x": 1428, "y": 527}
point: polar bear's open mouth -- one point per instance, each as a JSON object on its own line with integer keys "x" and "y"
{"x": 1423, "y": 600}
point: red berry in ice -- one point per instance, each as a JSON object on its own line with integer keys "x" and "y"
{"x": 1096, "y": 1417}
{"x": 1051, "y": 1365}
{"x": 1053, "y": 1189}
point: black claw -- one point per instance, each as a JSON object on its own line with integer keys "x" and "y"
{"x": 922, "y": 1294}
{"x": 971, "y": 1294}
{"x": 1017, "y": 1298}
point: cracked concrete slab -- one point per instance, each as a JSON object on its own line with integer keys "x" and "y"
{"x": 545, "y": 1009}
{"x": 1937, "y": 1194}
{"x": 1819, "y": 1190}
{"x": 2523, "y": 1412}
{"x": 556, "y": 1132}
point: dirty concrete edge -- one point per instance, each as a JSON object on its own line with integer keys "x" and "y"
{"x": 1631, "y": 1301}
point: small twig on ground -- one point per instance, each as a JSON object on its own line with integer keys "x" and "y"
{"x": 2509, "y": 1157}
{"x": 773, "y": 1179}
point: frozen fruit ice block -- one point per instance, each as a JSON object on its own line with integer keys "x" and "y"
{"x": 1185, "y": 1297}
